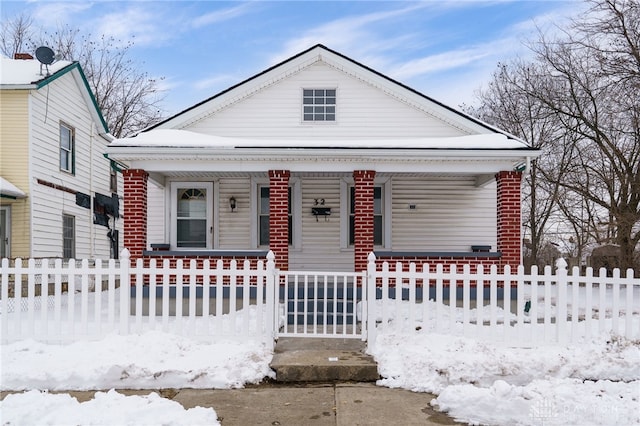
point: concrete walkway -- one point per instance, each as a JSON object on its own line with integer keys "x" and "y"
{"x": 344, "y": 404}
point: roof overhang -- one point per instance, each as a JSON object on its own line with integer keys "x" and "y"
{"x": 9, "y": 190}
{"x": 172, "y": 151}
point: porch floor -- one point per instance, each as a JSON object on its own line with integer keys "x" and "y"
{"x": 322, "y": 360}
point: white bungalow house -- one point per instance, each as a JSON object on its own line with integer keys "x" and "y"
{"x": 58, "y": 193}
{"x": 323, "y": 160}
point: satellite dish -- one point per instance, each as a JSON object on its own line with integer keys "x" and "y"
{"x": 45, "y": 55}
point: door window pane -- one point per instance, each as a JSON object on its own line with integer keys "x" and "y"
{"x": 192, "y": 217}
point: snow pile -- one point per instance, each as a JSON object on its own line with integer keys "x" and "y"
{"x": 107, "y": 408}
{"x": 150, "y": 360}
{"x": 595, "y": 383}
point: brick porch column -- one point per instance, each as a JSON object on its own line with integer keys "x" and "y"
{"x": 363, "y": 226}
{"x": 509, "y": 218}
{"x": 279, "y": 216}
{"x": 135, "y": 211}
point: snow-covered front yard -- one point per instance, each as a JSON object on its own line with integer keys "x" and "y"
{"x": 596, "y": 383}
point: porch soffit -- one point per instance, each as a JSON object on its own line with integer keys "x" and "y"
{"x": 218, "y": 175}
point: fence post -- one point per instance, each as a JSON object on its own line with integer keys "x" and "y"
{"x": 561, "y": 303}
{"x": 125, "y": 291}
{"x": 369, "y": 307}
{"x": 273, "y": 322}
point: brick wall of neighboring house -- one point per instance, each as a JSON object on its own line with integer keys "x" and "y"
{"x": 279, "y": 216}
{"x": 135, "y": 211}
{"x": 363, "y": 182}
{"x": 509, "y": 217}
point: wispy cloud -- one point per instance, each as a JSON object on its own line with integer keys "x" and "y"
{"x": 139, "y": 23}
{"x": 355, "y": 35}
{"x": 52, "y": 15}
{"x": 220, "y": 15}
{"x": 215, "y": 82}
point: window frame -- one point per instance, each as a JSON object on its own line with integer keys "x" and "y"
{"x": 322, "y": 105}
{"x": 72, "y": 239}
{"x": 70, "y": 152}
{"x": 210, "y": 229}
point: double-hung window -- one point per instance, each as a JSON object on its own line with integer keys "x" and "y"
{"x": 67, "y": 148}
{"x": 192, "y": 214}
{"x": 318, "y": 105}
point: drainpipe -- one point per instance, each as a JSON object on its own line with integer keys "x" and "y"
{"x": 91, "y": 225}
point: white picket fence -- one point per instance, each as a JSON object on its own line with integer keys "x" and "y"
{"x": 87, "y": 302}
{"x": 545, "y": 308}
{"x": 55, "y": 302}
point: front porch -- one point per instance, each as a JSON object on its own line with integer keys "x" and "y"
{"x": 325, "y": 221}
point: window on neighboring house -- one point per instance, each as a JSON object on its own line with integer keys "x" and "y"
{"x": 192, "y": 213}
{"x": 113, "y": 181}
{"x": 319, "y": 104}
{"x": 67, "y": 148}
{"x": 378, "y": 216}
{"x": 263, "y": 217}
{"x": 68, "y": 236}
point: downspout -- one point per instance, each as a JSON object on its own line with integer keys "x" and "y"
{"x": 91, "y": 225}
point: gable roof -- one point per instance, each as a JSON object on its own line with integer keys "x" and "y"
{"x": 322, "y": 53}
{"x": 30, "y": 74}
{"x": 175, "y": 146}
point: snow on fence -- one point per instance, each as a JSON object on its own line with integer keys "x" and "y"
{"x": 515, "y": 308}
{"x": 55, "y": 302}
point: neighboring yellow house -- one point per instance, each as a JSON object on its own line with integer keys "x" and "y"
{"x": 58, "y": 193}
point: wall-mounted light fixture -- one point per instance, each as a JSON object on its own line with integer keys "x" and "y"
{"x": 232, "y": 203}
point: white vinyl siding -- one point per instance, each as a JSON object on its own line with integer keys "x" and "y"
{"x": 62, "y": 101}
{"x": 156, "y": 215}
{"x": 320, "y": 240}
{"x": 451, "y": 214}
{"x": 234, "y": 227}
{"x": 364, "y": 112}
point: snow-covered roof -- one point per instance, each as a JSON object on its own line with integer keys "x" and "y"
{"x": 173, "y": 138}
{"x": 30, "y": 74}
{"x": 7, "y": 189}
{"x": 26, "y": 72}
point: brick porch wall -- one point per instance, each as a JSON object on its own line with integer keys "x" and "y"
{"x": 279, "y": 216}
{"x": 135, "y": 211}
{"x": 509, "y": 217}
{"x": 186, "y": 263}
{"x": 363, "y": 244}
{"x": 432, "y": 261}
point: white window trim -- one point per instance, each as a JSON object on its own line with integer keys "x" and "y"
{"x": 319, "y": 86}
{"x": 71, "y": 152}
{"x": 296, "y": 210}
{"x": 173, "y": 213}
{"x": 347, "y": 183}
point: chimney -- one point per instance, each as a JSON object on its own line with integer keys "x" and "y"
{"x": 22, "y": 56}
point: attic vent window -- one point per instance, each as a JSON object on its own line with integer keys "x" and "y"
{"x": 319, "y": 104}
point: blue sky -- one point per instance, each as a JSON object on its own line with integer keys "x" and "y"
{"x": 444, "y": 49}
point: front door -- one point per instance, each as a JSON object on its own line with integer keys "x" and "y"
{"x": 5, "y": 232}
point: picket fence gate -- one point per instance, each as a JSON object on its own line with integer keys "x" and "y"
{"x": 55, "y": 302}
